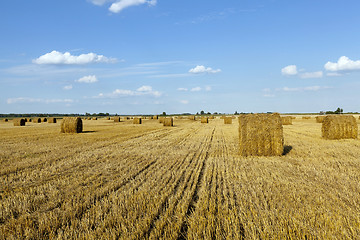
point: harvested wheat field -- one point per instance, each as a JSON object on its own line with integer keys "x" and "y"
{"x": 130, "y": 181}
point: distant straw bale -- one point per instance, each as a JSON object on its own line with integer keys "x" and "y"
{"x": 319, "y": 119}
{"x": 339, "y": 127}
{"x": 211, "y": 117}
{"x": 19, "y": 122}
{"x": 161, "y": 119}
{"x": 168, "y": 122}
{"x": 228, "y": 120}
{"x": 71, "y": 125}
{"x": 107, "y": 118}
{"x": 111, "y": 118}
{"x": 29, "y": 120}
{"x": 44, "y": 120}
{"x": 137, "y": 120}
{"x": 117, "y": 119}
{"x": 286, "y": 120}
{"x": 306, "y": 117}
{"x": 192, "y": 117}
{"x": 26, "y": 120}
{"x": 261, "y": 135}
{"x": 94, "y": 118}
{"x": 204, "y": 120}
{"x": 37, "y": 120}
{"x": 5, "y": 120}
{"x": 155, "y": 117}
{"x": 293, "y": 117}
{"x": 52, "y": 120}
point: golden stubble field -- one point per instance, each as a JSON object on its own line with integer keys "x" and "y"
{"x": 125, "y": 181}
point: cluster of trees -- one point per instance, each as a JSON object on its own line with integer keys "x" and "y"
{"x": 97, "y": 114}
{"x": 337, "y": 111}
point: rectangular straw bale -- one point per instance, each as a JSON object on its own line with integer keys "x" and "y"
{"x": 192, "y": 117}
{"x": 228, "y": 120}
{"x": 261, "y": 135}
{"x": 168, "y": 122}
{"x": 117, "y": 119}
{"x": 286, "y": 120}
{"x": 319, "y": 119}
{"x": 339, "y": 127}
{"x": 19, "y": 122}
{"x": 137, "y": 120}
{"x": 204, "y": 120}
{"x": 52, "y": 120}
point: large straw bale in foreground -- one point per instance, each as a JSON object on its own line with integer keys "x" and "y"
{"x": 261, "y": 135}
{"x": 227, "y": 120}
{"x": 161, "y": 119}
{"x": 339, "y": 127}
{"x": 286, "y": 120}
{"x": 19, "y": 122}
{"x": 71, "y": 125}
{"x": 168, "y": 122}
{"x": 117, "y": 119}
{"x": 52, "y": 120}
{"x": 319, "y": 119}
{"x": 204, "y": 120}
{"x": 137, "y": 120}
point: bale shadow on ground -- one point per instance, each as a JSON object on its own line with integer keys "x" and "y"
{"x": 287, "y": 149}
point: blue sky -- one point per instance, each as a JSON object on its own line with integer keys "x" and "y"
{"x": 148, "y": 56}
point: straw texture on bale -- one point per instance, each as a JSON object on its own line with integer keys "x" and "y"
{"x": 192, "y": 118}
{"x": 107, "y": 118}
{"x": 137, "y": 121}
{"x": 286, "y": 120}
{"x": 261, "y": 135}
{"x": 211, "y": 117}
{"x": 37, "y": 120}
{"x": 204, "y": 120}
{"x": 339, "y": 127}
{"x": 52, "y": 120}
{"x": 155, "y": 117}
{"x": 117, "y": 119}
{"x": 71, "y": 125}
{"x": 228, "y": 120}
{"x": 19, "y": 122}
{"x": 94, "y": 118}
{"x": 44, "y": 120}
{"x": 168, "y": 122}
{"x": 161, "y": 119}
{"x": 319, "y": 119}
{"x": 306, "y": 117}
{"x": 6, "y": 120}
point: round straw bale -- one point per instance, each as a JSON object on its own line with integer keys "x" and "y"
{"x": 94, "y": 118}
{"x": 168, "y": 122}
{"x": 44, "y": 120}
{"x": 29, "y": 120}
{"x": 37, "y": 120}
{"x": 26, "y": 120}
{"x": 71, "y": 125}
{"x": 204, "y": 120}
{"x": 137, "y": 120}
{"x": 155, "y": 117}
{"x": 52, "y": 120}
{"x": 161, "y": 119}
{"x": 6, "y": 120}
{"x": 19, "y": 122}
{"x": 117, "y": 119}
{"x": 192, "y": 117}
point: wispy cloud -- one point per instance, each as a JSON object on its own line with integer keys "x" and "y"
{"x": 302, "y": 89}
{"x": 184, "y": 101}
{"x": 195, "y": 89}
{"x": 37, "y": 100}
{"x": 305, "y": 75}
{"x": 120, "y": 5}
{"x": 291, "y": 70}
{"x": 68, "y": 87}
{"x": 141, "y": 91}
{"x": 182, "y": 89}
{"x": 58, "y": 58}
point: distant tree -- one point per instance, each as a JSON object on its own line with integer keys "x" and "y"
{"x": 107, "y": 114}
{"x": 236, "y": 113}
{"x": 197, "y": 113}
{"x": 202, "y": 112}
{"x": 164, "y": 113}
{"x": 208, "y": 113}
{"x": 215, "y": 113}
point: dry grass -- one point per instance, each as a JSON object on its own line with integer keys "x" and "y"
{"x": 286, "y": 120}
{"x": 119, "y": 181}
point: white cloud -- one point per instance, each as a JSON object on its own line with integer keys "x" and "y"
{"x": 290, "y": 70}
{"x": 318, "y": 74}
{"x": 343, "y": 64}
{"x": 203, "y": 69}
{"x": 99, "y": 2}
{"x": 87, "y": 79}
{"x": 37, "y": 100}
{"x": 66, "y": 58}
{"x": 302, "y": 89}
{"x": 182, "y": 89}
{"x": 196, "y": 89}
{"x": 141, "y": 91}
{"x": 68, "y": 87}
{"x": 184, "y": 101}
{"x": 120, "y": 5}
